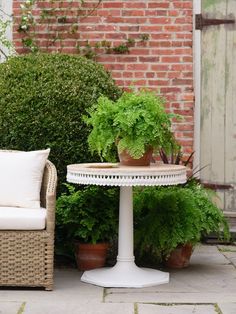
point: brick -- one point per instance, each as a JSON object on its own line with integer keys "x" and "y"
{"x": 113, "y": 19}
{"x": 160, "y": 67}
{"x": 108, "y": 5}
{"x": 106, "y": 59}
{"x": 129, "y": 28}
{"x": 115, "y": 66}
{"x": 161, "y": 36}
{"x": 163, "y": 52}
{"x": 135, "y": 20}
{"x": 170, "y": 59}
{"x": 152, "y": 28}
{"x": 137, "y": 67}
{"x": 150, "y": 74}
{"x": 138, "y": 82}
{"x": 158, "y": 82}
{"x": 119, "y": 36}
{"x": 159, "y": 4}
{"x": 159, "y": 20}
{"x": 129, "y": 74}
{"x": 116, "y": 75}
{"x": 125, "y": 58}
{"x": 167, "y": 90}
{"x": 139, "y": 74}
{"x": 160, "y": 12}
{"x": 183, "y": 4}
{"x": 149, "y": 59}
{"x": 109, "y": 12}
{"x": 132, "y": 13}
{"x": 182, "y": 82}
{"x": 140, "y": 51}
{"x": 173, "y": 12}
{"x": 135, "y": 5}
{"x": 172, "y": 28}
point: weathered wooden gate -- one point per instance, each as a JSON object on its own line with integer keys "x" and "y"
{"x": 218, "y": 98}
{"x": 5, "y": 13}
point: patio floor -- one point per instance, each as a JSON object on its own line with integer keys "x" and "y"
{"x": 208, "y": 286}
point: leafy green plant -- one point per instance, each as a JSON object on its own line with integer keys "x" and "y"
{"x": 136, "y": 121}
{"x": 42, "y": 100}
{"x": 89, "y": 214}
{"x": 170, "y": 216}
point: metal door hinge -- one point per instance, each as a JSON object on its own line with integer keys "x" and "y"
{"x": 201, "y": 21}
{"x": 217, "y": 186}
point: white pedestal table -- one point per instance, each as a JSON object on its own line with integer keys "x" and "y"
{"x": 125, "y": 273}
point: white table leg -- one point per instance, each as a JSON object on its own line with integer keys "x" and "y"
{"x": 125, "y": 273}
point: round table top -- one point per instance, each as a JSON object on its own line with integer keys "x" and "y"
{"x": 114, "y": 174}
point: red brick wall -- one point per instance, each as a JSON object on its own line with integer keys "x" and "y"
{"x": 164, "y": 62}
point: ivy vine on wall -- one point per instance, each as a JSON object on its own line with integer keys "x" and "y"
{"x": 60, "y": 21}
{"x": 55, "y": 18}
{"x": 46, "y": 24}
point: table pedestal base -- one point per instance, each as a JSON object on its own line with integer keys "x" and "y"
{"x": 125, "y": 274}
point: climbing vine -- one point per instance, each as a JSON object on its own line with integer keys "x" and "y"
{"x": 54, "y": 18}
{"x": 58, "y": 22}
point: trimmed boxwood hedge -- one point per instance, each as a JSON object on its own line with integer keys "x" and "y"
{"x": 43, "y": 98}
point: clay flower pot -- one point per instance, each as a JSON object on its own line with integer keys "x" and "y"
{"x": 127, "y": 160}
{"x": 90, "y": 256}
{"x": 180, "y": 257}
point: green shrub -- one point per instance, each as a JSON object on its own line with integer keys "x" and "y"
{"x": 43, "y": 98}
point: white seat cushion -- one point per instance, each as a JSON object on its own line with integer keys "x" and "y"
{"x": 21, "y": 178}
{"x": 15, "y": 218}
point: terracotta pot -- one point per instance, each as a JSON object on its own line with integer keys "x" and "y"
{"x": 127, "y": 160}
{"x": 90, "y": 256}
{"x": 180, "y": 257}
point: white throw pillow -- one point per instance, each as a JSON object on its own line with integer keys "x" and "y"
{"x": 21, "y": 176}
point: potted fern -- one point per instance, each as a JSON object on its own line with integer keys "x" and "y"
{"x": 175, "y": 217}
{"x": 90, "y": 218}
{"x": 137, "y": 123}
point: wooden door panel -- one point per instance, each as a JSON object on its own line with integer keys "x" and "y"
{"x": 218, "y": 100}
{"x": 212, "y": 109}
{"x": 230, "y": 111}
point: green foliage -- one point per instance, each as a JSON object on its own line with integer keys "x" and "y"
{"x": 170, "y": 216}
{"x": 135, "y": 121}
{"x": 90, "y": 214}
{"x": 123, "y": 47}
{"x": 144, "y": 37}
{"x": 92, "y": 51}
{"x": 42, "y": 100}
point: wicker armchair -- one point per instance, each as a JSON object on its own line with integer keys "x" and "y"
{"x": 26, "y": 256}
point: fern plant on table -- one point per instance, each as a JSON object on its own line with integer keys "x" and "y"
{"x": 136, "y": 121}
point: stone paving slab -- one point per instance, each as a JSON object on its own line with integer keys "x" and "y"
{"x": 209, "y": 278}
{"x": 228, "y": 308}
{"x": 10, "y": 307}
{"x": 67, "y": 287}
{"x": 175, "y": 309}
{"x": 229, "y": 251}
{"x": 89, "y": 307}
